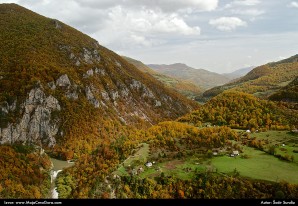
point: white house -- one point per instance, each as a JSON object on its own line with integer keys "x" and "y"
{"x": 148, "y": 164}
{"x": 236, "y": 152}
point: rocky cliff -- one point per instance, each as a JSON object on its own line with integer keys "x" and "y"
{"x": 59, "y": 85}
{"x": 36, "y": 124}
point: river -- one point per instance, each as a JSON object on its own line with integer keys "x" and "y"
{"x": 58, "y": 166}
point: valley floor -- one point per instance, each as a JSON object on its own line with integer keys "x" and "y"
{"x": 251, "y": 163}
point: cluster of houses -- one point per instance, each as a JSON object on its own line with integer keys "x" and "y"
{"x": 137, "y": 171}
{"x": 234, "y": 153}
{"x": 141, "y": 169}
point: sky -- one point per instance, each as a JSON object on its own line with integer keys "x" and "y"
{"x": 217, "y": 35}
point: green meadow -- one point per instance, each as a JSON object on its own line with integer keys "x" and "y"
{"x": 251, "y": 163}
{"x": 258, "y": 165}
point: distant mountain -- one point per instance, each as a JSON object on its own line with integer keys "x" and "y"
{"x": 262, "y": 81}
{"x": 186, "y": 88}
{"x": 199, "y": 77}
{"x": 238, "y": 73}
{"x": 60, "y": 89}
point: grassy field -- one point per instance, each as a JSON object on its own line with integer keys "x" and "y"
{"x": 138, "y": 159}
{"x": 259, "y": 165}
{"x": 279, "y": 138}
{"x": 181, "y": 168}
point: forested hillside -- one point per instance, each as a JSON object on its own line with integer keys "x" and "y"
{"x": 24, "y": 172}
{"x": 57, "y": 77}
{"x": 262, "y": 81}
{"x": 125, "y": 134}
{"x": 62, "y": 91}
{"x": 241, "y": 110}
{"x": 288, "y": 93}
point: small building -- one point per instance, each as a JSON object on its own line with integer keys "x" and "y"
{"x": 235, "y": 153}
{"x": 283, "y": 145}
{"x": 248, "y": 131}
{"x": 134, "y": 172}
{"x": 148, "y": 164}
{"x": 215, "y": 153}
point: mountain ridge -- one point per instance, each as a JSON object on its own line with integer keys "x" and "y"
{"x": 263, "y": 80}
{"x": 238, "y": 73}
{"x": 184, "y": 87}
{"x": 200, "y": 77}
{"x": 58, "y": 85}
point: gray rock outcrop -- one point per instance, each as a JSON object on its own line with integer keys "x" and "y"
{"x": 89, "y": 73}
{"x": 91, "y": 97}
{"x": 63, "y": 81}
{"x": 90, "y": 55}
{"x": 37, "y": 124}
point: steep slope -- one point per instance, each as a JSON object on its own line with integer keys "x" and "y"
{"x": 199, "y": 77}
{"x": 173, "y": 146}
{"x": 140, "y": 65}
{"x": 185, "y": 88}
{"x": 24, "y": 172}
{"x": 288, "y": 93}
{"x": 287, "y": 97}
{"x": 262, "y": 81}
{"x": 238, "y": 73}
{"x": 59, "y": 87}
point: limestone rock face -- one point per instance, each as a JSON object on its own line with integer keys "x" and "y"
{"x": 91, "y": 97}
{"x": 63, "y": 81}
{"x": 68, "y": 75}
{"x": 37, "y": 124}
{"x": 89, "y": 73}
{"x": 52, "y": 85}
{"x": 100, "y": 71}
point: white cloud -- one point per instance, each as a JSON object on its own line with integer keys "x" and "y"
{"x": 293, "y": 4}
{"x": 247, "y": 2}
{"x": 243, "y": 3}
{"x": 176, "y": 5}
{"x": 131, "y": 28}
{"x": 174, "y": 24}
{"x": 249, "y": 12}
{"x": 124, "y": 25}
{"x": 227, "y": 23}
{"x": 140, "y": 40}
{"x": 164, "y": 5}
{"x": 166, "y": 31}
{"x": 8, "y": 1}
{"x": 149, "y": 22}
